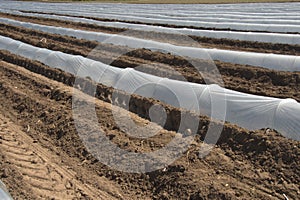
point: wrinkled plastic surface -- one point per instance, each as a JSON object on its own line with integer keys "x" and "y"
{"x": 4, "y": 194}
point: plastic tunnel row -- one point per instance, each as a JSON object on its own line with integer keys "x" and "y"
{"x": 279, "y": 28}
{"x": 181, "y": 15}
{"x": 270, "y": 61}
{"x": 136, "y": 16}
{"x": 199, "y": 16}
{"x": 184, "y": 15}
{"x": 258, "y": 10}
{"x": 235, "y": 35}
{"x": 4, "y": 194}
{"x": 245, "y": 110}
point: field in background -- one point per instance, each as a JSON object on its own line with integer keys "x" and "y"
{"x": 171, "y": 1}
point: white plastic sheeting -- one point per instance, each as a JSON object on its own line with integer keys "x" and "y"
{"x": 149, "y": 18}
{"x": 235, "y": 35}
{"x": 4, "y": 194}
{"x": 217, "y": 18}
{"x": 119, "y": 16}
{"x": 249, "y": 111}
{"x": 240, "y": 26}
{"x": 253, "y": 17}
{"x": 259, "y": 11}
{"x": 270, "y": 61}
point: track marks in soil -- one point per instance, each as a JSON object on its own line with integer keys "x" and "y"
{"x": 40, "y": 168}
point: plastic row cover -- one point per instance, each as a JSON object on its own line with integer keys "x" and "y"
{"x": 243, "y": 36}
{"x": 194, "y": 20}
{"x": 258, "y": 18}
{"x": 254, "y": 10}
{"x": 279, "y": 28}
{"x": 137, "y": 16}
{"x": 189, "y": 15}
{"x": 245, "y": 110}
{"x": 177, "y": 14}
{"x": 260, "y": 9}
{"x": 271, "y": 61}
{"x": 4, "y": 194}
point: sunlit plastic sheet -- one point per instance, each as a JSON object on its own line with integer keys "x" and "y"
{"x": 246, "y": 110}
{"x": 4, "y": 194}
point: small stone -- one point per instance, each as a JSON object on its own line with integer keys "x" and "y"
{"x": 5, "y": 173}
{"x": 68, "y": 185}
